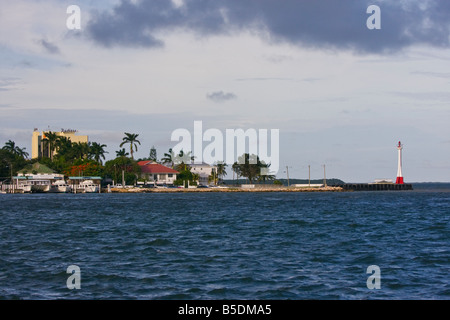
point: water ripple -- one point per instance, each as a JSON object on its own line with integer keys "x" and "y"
{"x": 225, "y": 246}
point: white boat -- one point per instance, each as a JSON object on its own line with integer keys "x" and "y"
{"x": 40, "y": 188}
{"x": 88, "y": 186}
{"x": 60, "y": 186}
{"x": 35, "y": 186}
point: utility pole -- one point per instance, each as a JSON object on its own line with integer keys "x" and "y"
{"x": 115, "y": 175}
{"x": 12, "y": 181}
{"x": 309, "y": 175}
{"x": 287, "y": 173}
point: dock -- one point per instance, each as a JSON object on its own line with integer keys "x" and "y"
{"x": 375, "y": 187}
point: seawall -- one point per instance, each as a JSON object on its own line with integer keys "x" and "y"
{"x": 228, "y": 189}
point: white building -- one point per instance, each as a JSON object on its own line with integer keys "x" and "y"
{"x": 204, "y": 172}
{"x": 157, "y": 173}
{"x": 36, "y": 178}
{"x": 36, "y": 182}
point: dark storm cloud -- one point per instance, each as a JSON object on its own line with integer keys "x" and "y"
{"x": 318, "y": 24}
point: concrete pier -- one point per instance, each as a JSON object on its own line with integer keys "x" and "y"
{"x": 375, "y": 186}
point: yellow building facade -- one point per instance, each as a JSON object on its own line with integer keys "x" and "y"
{"x": 39, "y": 148}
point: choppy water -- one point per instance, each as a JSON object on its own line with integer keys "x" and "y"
{"x": 226, "y": 245}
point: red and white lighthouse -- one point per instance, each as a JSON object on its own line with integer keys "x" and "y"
{"x": 399, "y": 179}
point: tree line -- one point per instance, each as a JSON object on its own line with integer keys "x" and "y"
{"x": 86, "y": 159}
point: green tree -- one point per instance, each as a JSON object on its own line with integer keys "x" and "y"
{"x": 97, "y": 151}
{"x": 175, "y": 159}
{"x": 81, "y": 150}
{"x": 221, "y": 170}
{"x": 16, "y": 150}
{"x": 249, "y": 166}
{"x": 131, "y": 138}
{"x": 183, "y": 157}
{"x": 130, "y": 168}
{"x": 64, "y": 147}
{"x": 168, "y": 158}
{"x": 266, "y": 177}
{"x": 277, "y": 183}
{"x": 10, "y": 163}
{"x": 122, "y": 153}
{"x": 153, "y": 155}
{"x": 185, "y": 175}
{"x": 7, "y": 161}
{"x": 10, "y": 146}
{"x": 69, "y": 152}
{"x": 50, "y": 140}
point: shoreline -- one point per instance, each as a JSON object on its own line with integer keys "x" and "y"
{"x": 229, "y": 189}
{"x": 245, "y": 188}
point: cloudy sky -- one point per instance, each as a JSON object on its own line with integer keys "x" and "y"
{"x": 341, "y": 94}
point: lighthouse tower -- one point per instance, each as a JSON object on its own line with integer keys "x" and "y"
{"x": 399, "y": 170}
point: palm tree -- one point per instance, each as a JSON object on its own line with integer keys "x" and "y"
{"x": 180, "y": 167}
{"x": 184, "y": 157}
{"x": 195, "y": 177}
{"x": 122, "y": 153}
{"x": 50, "y": 138}
{"x": 63, "y": 144}
{"x": 264, "y": 177}
{"x": 22, "y": 153}
{"x": 64, "y": 148}
{"x": 168, "y": 158}
{"x": 12, "y": 148}
{"x": 81, "y": 149}
{"x": 131, "y": 138}
{"x": 221, "y": 170}
{"x": 97, "y": 151}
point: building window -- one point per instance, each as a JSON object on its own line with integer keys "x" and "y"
{"x": 170, "y": 175}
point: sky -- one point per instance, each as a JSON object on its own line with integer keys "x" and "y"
{"x": 341, "y": 94}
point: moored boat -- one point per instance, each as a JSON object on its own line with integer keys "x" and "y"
{"x": 40, "y": 187}
{"x": 35, "y": 186}
{"x": 60, "y": 186}
{"x": 88, "y": 186}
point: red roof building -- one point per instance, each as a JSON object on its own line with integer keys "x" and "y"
{"x": 157, "y": 173}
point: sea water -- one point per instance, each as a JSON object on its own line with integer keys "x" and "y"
{"x": 252, "y": 245}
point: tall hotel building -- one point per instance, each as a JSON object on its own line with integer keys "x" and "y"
{"x": 39, "y": 148}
